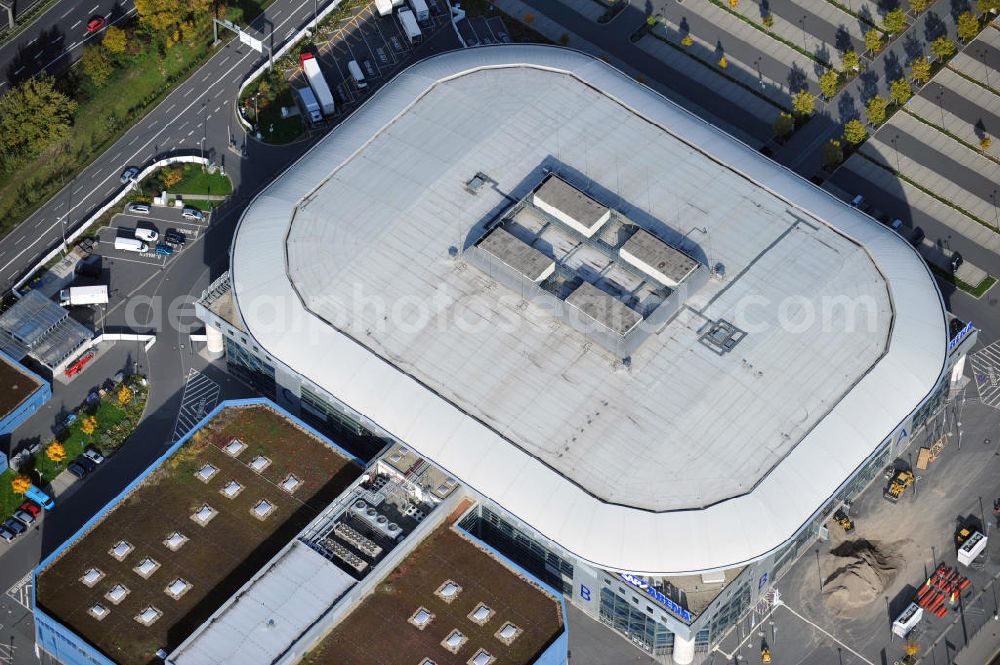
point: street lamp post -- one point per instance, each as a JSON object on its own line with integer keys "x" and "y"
{"x": 996, "y": 215}
{"x": 895, "y": 145}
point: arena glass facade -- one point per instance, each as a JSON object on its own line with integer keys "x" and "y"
{"x": 15, "y": 417}
{"x": 646, "y": 611}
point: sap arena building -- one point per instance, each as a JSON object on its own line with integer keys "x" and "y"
{"x": 659, "y": 359}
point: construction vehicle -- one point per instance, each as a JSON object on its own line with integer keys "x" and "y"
{"x": 962, "y": 536}
{"x": 903, "y": 479}
{"x": 841, "y": 518}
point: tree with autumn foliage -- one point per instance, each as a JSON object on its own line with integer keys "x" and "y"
{"x": 124, "y": 395}
{"x": 55, "y": 451}
{"x": 20, "y": 484}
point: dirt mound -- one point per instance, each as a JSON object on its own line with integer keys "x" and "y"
{"x": 862, "y": 571}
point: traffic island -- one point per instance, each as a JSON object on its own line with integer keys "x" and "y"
{"x": 269, "y": 104}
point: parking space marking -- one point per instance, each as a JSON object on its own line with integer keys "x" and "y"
{"x": 200, "y": 396}
{"x": 21, "y": 591}
{"x": 73, "y": 27}
{"x": 986, "y": 373}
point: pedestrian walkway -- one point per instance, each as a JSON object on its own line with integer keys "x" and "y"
{"x": 21, "y": 591}
{"x": 201, "y": 394}
{"x": 986, "y": 374}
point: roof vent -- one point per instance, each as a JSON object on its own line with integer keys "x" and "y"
{"x": 291, "y": 483}
{"x": 231, "y": 490}
{"x": 482, "y": 657}
{"x": 263, "y": 509}
{"x": 508, "y": 633}
{"x": 116, "y": 594}
{"x": 235, "y": 447}
{"x": 121, "y": 550}
{"x": 454, "y": 641}
{"x": 448, "y": 591}
{"x": 421, "y": 618}
{"x": 148, "y": 616}
{"x": 92, "y": 577}
{"x": 481, "y": 614}
{"x": 175, "y": 541}
{"x": 177, "y": 588}
{"x": 204, "y": 514}
{"x": 427, "y": 661}
{"x": 206, "y": 473}
{"x": 259, "y": 463}
{"x": 98, "y": 611}
{"x": 146, "y": 567}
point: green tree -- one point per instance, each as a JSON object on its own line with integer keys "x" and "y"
{"x": 687, "y": 40}
{"x": 767, "y": 20}
{"x": 985, "y": 142}
{"x": 873, "y": 41}
{"x": 875, "y": 110}
{"x": 988, "y": 6}
{"x": 919, "y": 5}
{"x": 828, "y": 83}
{"x": 783, "y": 125}
{"x": 942, "y": 48}
{"x": 920, "y": 70}
{"x": 160, "y": 15}
{"x": 96, "y": 65}
{"x": 900, "y": 91}
{"x": 855, "y": 131}
{"x": 968, "y": 26}
{"x": 850, "y": 61}
{"x": 895, "y": 21}
{"x": 804, "y": 102}
{"x": 33, "y": 116}
{"x": 115, "y": 39}
{"x": 832, "y": 153}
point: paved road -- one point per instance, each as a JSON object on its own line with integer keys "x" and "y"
{"x": 837, "y": 36}
{"x": 962, "y": 108}
{"x": 56, "y": 39}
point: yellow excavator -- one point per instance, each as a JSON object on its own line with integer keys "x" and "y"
{"x": 841, "y": 518}
{"x": 903, "y": 479}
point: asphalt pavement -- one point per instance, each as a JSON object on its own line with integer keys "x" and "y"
{"x": 56, "y": 39}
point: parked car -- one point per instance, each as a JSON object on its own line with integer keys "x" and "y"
{"x": 146, "y": 234}
{"x": 31, "y": 507}
{"x": 138, "y": 208}
{"x": 163, "y": 249}
{"x": 192, "y": 213}
{"x": 93, "y": 455}
{"x": 86, "y": 463}
{"x": 128, "y": 174}
{"x": 24, "y": 517}
{"x": 17, "y": 527}
{"x": 76, "y": 470}
{"x": 95, "y": 23}
{"x": 897, "y": 224}
{"x": 956, "y": 261}
{"x": 6, "y": 534}
{"x": 175, "y": 236}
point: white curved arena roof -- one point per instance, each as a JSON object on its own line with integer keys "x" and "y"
{"x": 687, "y": 459}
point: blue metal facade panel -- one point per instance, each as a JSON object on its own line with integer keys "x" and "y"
{"x": 13, "y": 419}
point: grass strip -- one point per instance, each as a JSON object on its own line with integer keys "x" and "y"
{"x": 860, "y": 17}
{"x": 750, "y": 89}
{"x": 972, "y": 80}
{"x": 772, "y": 35}
{"x": 977, "y": 291}
{"x": 26, "y": 20}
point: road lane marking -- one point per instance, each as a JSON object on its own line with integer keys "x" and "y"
{"x": 57, "y": 39}
{"x": 190, "y": 90}
{"x": 39, "y": 223}
{"x": 134, "y": 139}
{"x": 185, "y": 124}
{"x": 171, "y": 108}
{"x": 73, "y": 27}
{"x": 32, "y": 41}
{"x": 94, "y": 9}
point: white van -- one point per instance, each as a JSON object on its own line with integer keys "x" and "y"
{"x": 146, "y": 235}
{"x": 131, "y": 245}
{"x": 355, "y": 70}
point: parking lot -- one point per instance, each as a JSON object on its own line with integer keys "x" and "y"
{"x": 161, "y": 220}
{"x": 378, "y": 44}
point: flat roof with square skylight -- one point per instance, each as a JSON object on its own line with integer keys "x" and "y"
{"x": 449, "y": 601}
{"x": 704, "y": 428}
{"x": 146, "y": 574}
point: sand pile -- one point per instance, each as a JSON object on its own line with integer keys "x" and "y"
{"x": 863, "y": 570}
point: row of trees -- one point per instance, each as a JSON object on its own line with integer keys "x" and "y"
{"x": 34, "y": 116}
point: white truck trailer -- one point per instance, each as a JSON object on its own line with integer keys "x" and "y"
{"x": 318, "y": 84}
{"x": 409, "y": 23}
{"x": 420, "y": 10}
{"x": 310, "y": 104}
{"x": 385, "y": 7}
{"x": 75, "y": 296}
{"x": 131, "y": 245}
